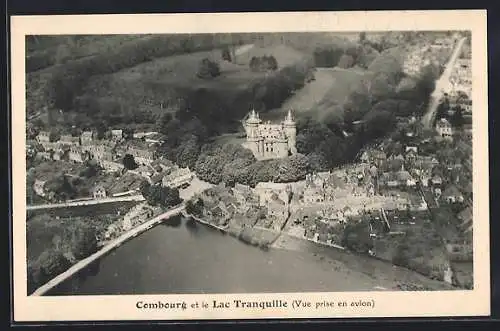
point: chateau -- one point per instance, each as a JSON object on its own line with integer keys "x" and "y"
{"x": 270, "y": 141}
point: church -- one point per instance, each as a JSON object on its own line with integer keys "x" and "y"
{"x": 270, "y": 141}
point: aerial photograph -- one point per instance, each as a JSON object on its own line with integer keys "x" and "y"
{"x": 249, "y": 163}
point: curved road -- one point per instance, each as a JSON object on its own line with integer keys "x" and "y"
{"x": 441, "y": 84}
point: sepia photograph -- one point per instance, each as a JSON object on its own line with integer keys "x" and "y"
{"x": 162, "y": 165}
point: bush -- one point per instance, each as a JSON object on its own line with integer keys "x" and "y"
{"x": 208, "y": 69}
{"x": 129, "y": 162}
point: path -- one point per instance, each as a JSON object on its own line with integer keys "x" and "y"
{"x": 106, "y": 249}
{"x": 441, "y": 84}
{"x": 86, "y": 202}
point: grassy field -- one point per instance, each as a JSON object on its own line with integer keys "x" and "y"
{"x": 319, "y": 97}
{"x": 285, "y": 56}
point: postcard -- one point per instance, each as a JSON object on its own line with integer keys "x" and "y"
{"x": 250, "y": 165}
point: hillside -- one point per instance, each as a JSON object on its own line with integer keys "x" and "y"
{"x": 285, "y": 55}
{"x": 46, "y": 51}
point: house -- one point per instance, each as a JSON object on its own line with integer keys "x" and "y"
{"x": 436, "y": 180}
{"x": 100, "y": 152}
{"x": 413, "y": 149}
{"x": 142, "y": 156}
{"x": 39, "y": 187}
{"x": 116, "y": 135}
{"x": 99, "y": 192}
{"x": 43, "y": 137}
{"x": 58, "y": 155}
{"x": 265, "y": 190}
{"x": 154, "y": 138}
{"x": 111, "y": 166}
{"x": 277, "y": 207}
{"x": 404, "y": 178}
{"x": 76, "y": 155}
{"x": 313, "y": 194}
{"x": 444, "y": 129}
{"x": 43, "y": 155}
{"x": 178, "y": 178}
{"x": 69, "y": 140}
{"x": 437, "y": 192}
{"x": 86, "y": 138}
{"x": 452, "y": 195}
{"x": 162, "y": 165}
{"x": 241, "y": 193}
{"x": 144, "y": 171}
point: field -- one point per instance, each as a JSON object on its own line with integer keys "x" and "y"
{"x": 319, "y": 97}
{"x": 285, "y": 56}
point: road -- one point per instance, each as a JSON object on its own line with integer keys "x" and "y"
{"x": 441, "y": 84}
{"x": 106, "y": 249}
{"x": 86, "y": 202}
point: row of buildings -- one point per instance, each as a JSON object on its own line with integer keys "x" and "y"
{"x": 109, "y": 154}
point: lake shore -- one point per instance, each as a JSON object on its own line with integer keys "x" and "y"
{"x": 386, "y": 275}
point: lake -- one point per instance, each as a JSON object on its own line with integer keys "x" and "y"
{"x": 181, "y": 256}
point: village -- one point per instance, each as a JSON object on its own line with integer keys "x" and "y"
{"x": 394, "y": 192}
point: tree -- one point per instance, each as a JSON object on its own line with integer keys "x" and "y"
{"x": 84, "y": 241}
{"x": 129, "y": 162}
{"x": 92, "y": 168}
{"x": 54, "y": 135}
{"x": 51, "y": 263}
{"x": 379, "y": 123}
{"x": 208, "y": 69}
{"x": 144, "y": 188}
{"x": 226, "y": 55}
{"x": 357, "y": 238}
{"x": 273, "y": 64}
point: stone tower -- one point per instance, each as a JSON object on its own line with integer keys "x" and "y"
{"x": 254, "y": 139}
{"x": 291, "y": 131}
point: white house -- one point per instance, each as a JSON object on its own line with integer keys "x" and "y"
{"x": 178, "y": 178}
{"x": 444, "y": 129}
{"x": 99, "y": 192}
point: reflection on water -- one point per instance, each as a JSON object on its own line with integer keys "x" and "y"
{"x": 174, "y": 221}
{"x": 192, "y": 258}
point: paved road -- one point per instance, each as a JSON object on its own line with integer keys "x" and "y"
{"x": 441, "y": 84}
{"x": 106, "y": 249}
{"x": 86, "y": 202}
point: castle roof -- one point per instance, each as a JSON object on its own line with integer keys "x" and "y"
{"x": 253, "y": 117}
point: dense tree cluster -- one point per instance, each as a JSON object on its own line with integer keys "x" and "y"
{"x": 195, "y": 207}
{"x": 129, "y": 162}
{"x": 64, "y": 244}
{"x": 356, "y": 237}
{"x": 345, "y": 56}
{"x": 263, "y": 63}
{"x": 158, "y": 195}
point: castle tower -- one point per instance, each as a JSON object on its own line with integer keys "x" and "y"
{"x": 252, "y": 125}
{"x": 254, "y": 141}
{"x": 290, "y": 131}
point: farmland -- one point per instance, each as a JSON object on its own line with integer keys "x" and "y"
{"x": 330, "y": 88}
